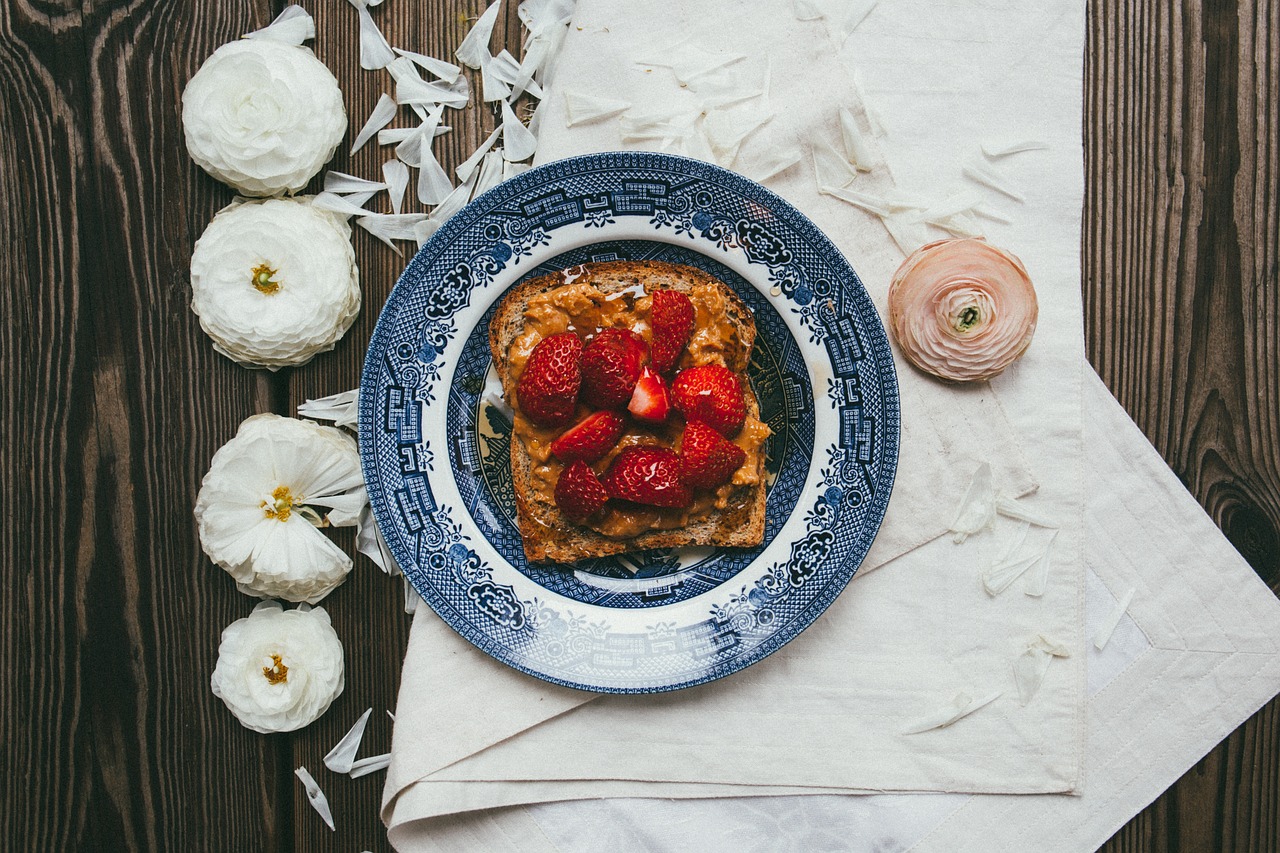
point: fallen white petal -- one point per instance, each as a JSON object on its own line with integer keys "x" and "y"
{"x": 998, "y": 578}
{"x": 1030, "y": 667}
{"x": 491, "y": 86}
{"x": 860, "y": 153}
{"x": 369, "y": 542}
{"x": 830, "y": 167}
{"x": 341, "y": 408}
{"x": 456, "y": 200}
{"x": 446, "y": 71}
{"x": 1038, "y": 577}
{"x": 475, "y": 47}
{"x": 978, "y": 507}
{"x": 505, "y": 67}
{"x": 434, "y": 185}
{"x": 517, "y": 142}
{"x": 343, "y": 184}
{"x": 981, "y": 174}
{"x": 510, "y": 170}
{"x": 343, "y": 755}
{"x": 315, "y": 796}
{"x": 1108, "y": 627}
{"x": 854, "y": 13}
{"x": 396, "y": 175}
{"x": 391, "y": 226}
{"x": 996, "y": 150}
{"x": 411, "y": 598}
{"x": 542, "y": 15}
{"x": 906, "y": 230}
{"x": 383, "y": 112}
{"x": 372, "y": 764}
{"x": 359, "y": 199}
{"x": 391, "y": 715}
{"x": 423, "y": 230}
{"x": 489, "y": 175}
{"x": 879, "y": 205}
{"x": 868, "y": 108}
{"x": 338, "y": 204}
{"x": 292, "y": 26}
{"x": 1011, "y": 508}
{"x": 961, "y": 706}
{"x": 468, "y": 166}
{"x": 957, "y": 224}
{"x": 374, "y": 50}
{"x": 776, "y": 161}
{"x": 960, "y": 202}
{"x": 580, "y": 108}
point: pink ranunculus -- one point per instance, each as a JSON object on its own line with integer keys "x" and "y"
{"x": 962, "y": 309}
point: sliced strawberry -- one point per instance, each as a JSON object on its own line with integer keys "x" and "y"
{"x": 647, "y": 475}
{"x": 590, "y": 439}
{"x": 671, "y": 318}
{"x": 711, "y": 394}
{"x": 610, "y": 366}
{"x": 650, "y": 401}
{"x": 548, "y": 388}
{"x": 708, "y": 460}
{"x": 578, "y": 491}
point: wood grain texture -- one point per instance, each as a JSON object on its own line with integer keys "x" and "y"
{"x": 1182, "y": 315}
{"x": 114, "y": 401}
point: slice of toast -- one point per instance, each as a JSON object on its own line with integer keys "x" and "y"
{"x": 613, "y": 294}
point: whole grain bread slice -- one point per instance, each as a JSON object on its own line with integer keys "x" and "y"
{"x": 547, "y": 533}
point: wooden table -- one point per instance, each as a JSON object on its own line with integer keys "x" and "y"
{"x": 114, "y": 401}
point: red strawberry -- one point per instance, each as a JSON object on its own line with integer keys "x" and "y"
{"x": 647, "y": 475}
{"x": 711, "y": 394}
{"x": 708, "y": 460}
{"x": 579, "y": 492}
{"x": 590, "y": 439}
{"x": 610, "y": 366}
{"x": 671, "y": 318}
{"x": 548, "y": 388}
{"x": 650, "y": 401}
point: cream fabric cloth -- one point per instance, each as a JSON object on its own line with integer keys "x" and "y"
{"x": 826, "y": 713}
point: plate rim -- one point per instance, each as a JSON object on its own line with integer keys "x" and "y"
{"x": 607, "y": 161}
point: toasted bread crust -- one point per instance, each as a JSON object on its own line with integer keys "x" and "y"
{"x": 546, "y": 532}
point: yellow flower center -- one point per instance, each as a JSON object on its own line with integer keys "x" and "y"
{"x": 277, "y": 673}
{"x": 262, "y": 279}
{"x": 281, "y": 504}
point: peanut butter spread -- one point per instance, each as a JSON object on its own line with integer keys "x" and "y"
{"x": 582, "y": 308}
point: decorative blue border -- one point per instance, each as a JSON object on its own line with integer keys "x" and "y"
{"x": 680, "y": 197}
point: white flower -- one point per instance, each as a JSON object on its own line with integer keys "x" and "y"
{"x": 256, "y": 510}
{"x": 279, "y": 670}
{"x": 263, "y": 116}
{"x": 274, "y": 282}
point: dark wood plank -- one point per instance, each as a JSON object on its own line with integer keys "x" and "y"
{"x": 1183, "y": 319}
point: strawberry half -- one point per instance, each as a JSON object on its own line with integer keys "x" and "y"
{"x": 610, "y": 366}
{"x": 711, "y": 394}
{"x": 579, "y": 493}
{"x": 590, "y": 439}
{"x": 708, "y": 460}
{"x": 548, "y": 388}
{"x": 671, "y": 319}
{"x": 648, "y": 475}
{"x": 650, "y": 400}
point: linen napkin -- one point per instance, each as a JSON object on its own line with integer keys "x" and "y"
{"x": 829, "y": 711}
{"x": 1194, "y": 657}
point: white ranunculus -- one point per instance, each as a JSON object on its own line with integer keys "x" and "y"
{"x": 266, "y": 492}
{"x": 263, "y": 116}
{"x": 279, "y": 670}
{"x": 274, "y": 282}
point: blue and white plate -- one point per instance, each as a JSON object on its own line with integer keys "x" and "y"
{"x": 434, "y": 433}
